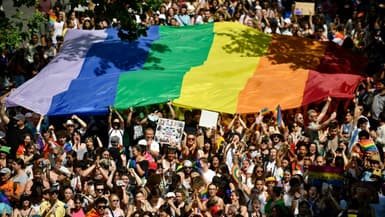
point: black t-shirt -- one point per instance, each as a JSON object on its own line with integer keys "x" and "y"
{"x": 135, "y": 133}
{"x": 15, "y": 136}
{"x": 143, "y": 164}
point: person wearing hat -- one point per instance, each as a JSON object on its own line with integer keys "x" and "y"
{"x": 10, "y": 188}
{"x": 70, "y": 125}
{"x": 4, "y": 152}
{"x": 276, "y": 138}
{"x": 270, "y": 183}
{"x": 286, "y": 27}
{"x": 16, "y": 129}
{"x": 187, "y": 174}
{"x": 373, "y": 172}
{"x": 53, "y": 206}
{"x": 152, "y": 147}
{"x": 116, "y": 150}
{"x": 170, "y": 200}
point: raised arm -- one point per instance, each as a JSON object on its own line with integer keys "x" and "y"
{"x": 172, "y": 111}
{"x": 99, "y": 141}
{"x": 327, "y": 122}
{"x": 129, "y": 117}
{"x": 83, "y": 125}
{"x": 241, "y": 122}
{"x": 3, "y": 114}
{"x": 109, "y": 119}
{"x": 232, "y": 121}
{"x": 121, "y": 120}
{"x": 311, "y": 21}
{"x": 38, "y": 125}
{"x": 324, "y": 110}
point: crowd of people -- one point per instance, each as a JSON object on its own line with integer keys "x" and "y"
{"x": 256, "y": 165}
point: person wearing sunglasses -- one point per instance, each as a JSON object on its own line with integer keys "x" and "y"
{"x": 53, "y": 206}
{"x": 100, "y": 208}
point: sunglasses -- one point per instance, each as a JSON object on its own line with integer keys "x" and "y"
{"x": 102, "y": 207}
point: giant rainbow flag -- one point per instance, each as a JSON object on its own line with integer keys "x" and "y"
{"x": 224, "y": 67}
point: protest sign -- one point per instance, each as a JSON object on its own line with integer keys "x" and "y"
{"x": 208, "y": 119}
{"x": 168, "y": 130}
{"x": 304, "y": 8}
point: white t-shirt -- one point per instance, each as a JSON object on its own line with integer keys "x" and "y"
{"x": 208, "y": 176}
{"x": 112, "y": 132}
{"x": 154, "y": 146}
{"x": 58, "y": 30}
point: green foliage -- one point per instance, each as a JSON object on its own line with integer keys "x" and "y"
{"x": 35, "y": 22}
{"x": 15, "y": 31}
{"x": 122, "y": 10}
{"x": 11, "y": 31}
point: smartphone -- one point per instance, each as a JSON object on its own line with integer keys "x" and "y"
{"x": 119, "y": 183}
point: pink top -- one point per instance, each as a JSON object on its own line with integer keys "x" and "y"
{"x": 79, "y": 213}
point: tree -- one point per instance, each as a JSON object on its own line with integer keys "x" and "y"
{"x": 125, "y": 12}
{"x": 122, "y": 10}
{"x": 13, "y": 32}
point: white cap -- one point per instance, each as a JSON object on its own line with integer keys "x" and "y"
{"x": 70, "y": 122}
{"x": 170, "y": 194}
{"x": 5, "y": 170}
{"x": 187, "y": 163}
{"x": 142, "y": 142}
{"x": 65, "y": 171}
{"x": 28, "y": 115}
{"x": 162, "y": 16}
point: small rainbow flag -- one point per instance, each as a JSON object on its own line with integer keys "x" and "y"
{"x": 368, "y": 145}
{"x": 331, "y": 175}
{"x": 297, "y": 168}
{"x": 204, "y": 195}
{"x": 236, "y": 173}
{"x": 265, "y": 111}
{"x": 52, "y": 19}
